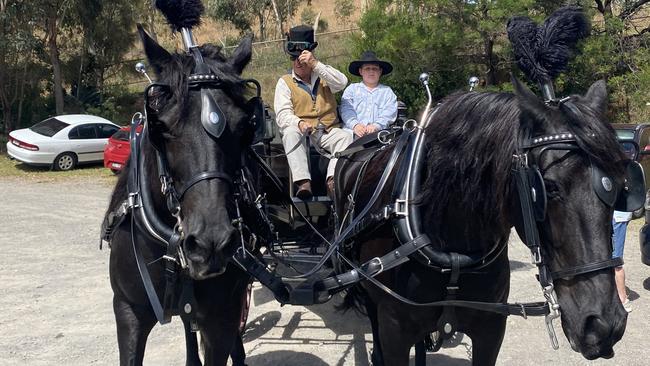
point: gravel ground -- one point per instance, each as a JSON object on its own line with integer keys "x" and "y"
{"x": 56, "y": 294}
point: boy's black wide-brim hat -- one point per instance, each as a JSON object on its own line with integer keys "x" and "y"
{"x": 369, "y": 57}
{"x": 300, "y": 38}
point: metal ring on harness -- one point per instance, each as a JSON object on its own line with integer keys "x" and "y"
{"x": 382, "y": 137}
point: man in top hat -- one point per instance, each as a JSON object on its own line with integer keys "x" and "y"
{"x": 368, "y": 106}
{"x": 304, "y": 103}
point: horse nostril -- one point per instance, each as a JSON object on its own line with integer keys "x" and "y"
{"x": 190, "y": 243}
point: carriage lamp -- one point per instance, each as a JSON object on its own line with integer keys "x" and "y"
{"x": 424, "y": 79}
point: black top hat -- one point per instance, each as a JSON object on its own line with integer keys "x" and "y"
{"x": 300, "y": 38}
{"x": 369, "y": 57}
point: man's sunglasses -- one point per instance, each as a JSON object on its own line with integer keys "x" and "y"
{"x": 300, "y": 46}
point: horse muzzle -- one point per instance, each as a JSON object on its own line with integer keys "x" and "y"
{"x": 599, "y": 335}
{"x": 207, "y": 259}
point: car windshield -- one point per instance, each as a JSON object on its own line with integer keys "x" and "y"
{"x": 49, "y": 127}
{"x": 122, "y": 135}
{"x": 625, "y": 134}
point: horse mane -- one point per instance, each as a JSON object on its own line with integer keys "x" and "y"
{"x": 470, "y": 142}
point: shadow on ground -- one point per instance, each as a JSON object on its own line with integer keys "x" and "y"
{"x": 285, "y": 358}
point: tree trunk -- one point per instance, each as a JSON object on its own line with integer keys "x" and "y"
{"x": 277, "y": 18}
{"x": 490, "y": 62}
{"x": 53, "y": 49}
{"x": 260, "y": 16}
{"x": 21, "y": 95}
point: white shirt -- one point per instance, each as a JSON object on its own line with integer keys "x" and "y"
{"x": 284, "y": 115}
{"x": 361, "y": 104}
{"x": 620, "y": 216}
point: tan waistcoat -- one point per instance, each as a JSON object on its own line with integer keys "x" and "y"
{"x": 322, "y": 110}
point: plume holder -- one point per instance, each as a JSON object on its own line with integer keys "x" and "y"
{"x": 547, "y": 91}
{"x": 188, "y": 38}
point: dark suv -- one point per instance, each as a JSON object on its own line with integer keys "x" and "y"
{"x": 640, "y": 133}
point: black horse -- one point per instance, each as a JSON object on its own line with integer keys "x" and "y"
{"x": 469, "y": 203}
{"x": 207, "y": 207}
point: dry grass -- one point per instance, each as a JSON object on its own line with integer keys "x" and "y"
{"x": 15, "y": 169}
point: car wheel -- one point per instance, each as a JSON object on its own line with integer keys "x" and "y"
{"x": 65, "y": 161}
{"x": 115, "y": 171}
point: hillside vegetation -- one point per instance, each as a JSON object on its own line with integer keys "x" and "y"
{"x": 71, "y": 56}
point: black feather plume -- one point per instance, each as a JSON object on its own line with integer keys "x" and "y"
{"x": 543, "y": 52}
{"x": 181, "y": 13}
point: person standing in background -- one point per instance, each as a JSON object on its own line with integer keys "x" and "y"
{"x": 620, "y": 221}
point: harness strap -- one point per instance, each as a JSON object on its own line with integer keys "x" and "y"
{"x": 171, "y": 274}
{"x": 146, "y": 281}
{"x": 586, "y": 268}
{"x": 520, "y": 309}
{"x": 214, "y": 174}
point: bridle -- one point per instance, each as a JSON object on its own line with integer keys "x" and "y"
{"x": 531, "y": 188}
{"x": 140, "y": 200}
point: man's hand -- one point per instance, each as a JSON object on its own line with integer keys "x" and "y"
{"x": 304, "y": 127}
{"x": 359, "y": 129}
{"x": 307, "y": 58}
{"x": 371, "y": 128}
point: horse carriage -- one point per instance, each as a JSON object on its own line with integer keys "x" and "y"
{"x": 416, "y": 232}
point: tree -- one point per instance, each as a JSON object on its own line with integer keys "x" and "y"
{"x": 449, "y": 39}
{"x": 20, "y": 70}
{"x": 242, "y": 14}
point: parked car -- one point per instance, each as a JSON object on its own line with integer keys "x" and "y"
{"x": 118, "y": 149}
{"x": 62, "y": 142}
{"x": 640, "y": 134}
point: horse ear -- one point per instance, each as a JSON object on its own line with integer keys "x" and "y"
{"x": 157, "y": 56}
{"x": 597, "y": 96}
{"x": 528, "y": 101}
{"x": 242, "y": 55}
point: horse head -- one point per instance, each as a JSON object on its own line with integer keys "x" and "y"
{"x": 203, "y": 164}
{"x": 576, "y": 229}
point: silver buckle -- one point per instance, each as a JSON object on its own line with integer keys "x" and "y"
{"x": 400, "y": 208}
{"x": 536, "y": 255}
{"x": 554, "y": 313}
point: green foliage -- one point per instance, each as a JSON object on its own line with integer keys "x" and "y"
{"x": 450, "y": 40}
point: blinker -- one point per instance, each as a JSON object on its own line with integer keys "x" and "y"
{"x": 212, "y": 118}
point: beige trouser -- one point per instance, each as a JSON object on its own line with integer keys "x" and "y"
{"x": 334, "y": 141}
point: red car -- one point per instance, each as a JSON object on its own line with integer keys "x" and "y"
{"x": 117, "y": 151}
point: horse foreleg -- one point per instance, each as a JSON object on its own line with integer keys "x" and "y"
{"x": 238, "y": 354}
{"x": 134, "y": 323}
{"x": 376, "y": 356}
{"x": 396, "y": 338}
{"x": 218, "y": 340}
{"x": 487, "y": 339}
{"x": 420, "y": 354}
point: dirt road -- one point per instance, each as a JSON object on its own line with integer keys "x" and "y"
{"x": 56, "y": 299}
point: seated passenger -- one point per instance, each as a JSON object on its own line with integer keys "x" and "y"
{"x": 368, "y": 106}
{"x": 303, "y": 100}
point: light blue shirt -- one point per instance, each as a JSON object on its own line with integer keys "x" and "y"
{"x": 361, "y": 105}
